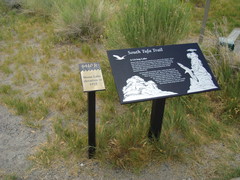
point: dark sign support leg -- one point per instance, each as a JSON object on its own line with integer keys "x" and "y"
{"x": 91, "y": 124}
{"x": 156, "y": 118}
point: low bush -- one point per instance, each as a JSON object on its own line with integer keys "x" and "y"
{"x": 43, "y": 7}
{"x": 3, "y": 6}
{"x": 148, "y": 23}
{"x": 82, "y": 19}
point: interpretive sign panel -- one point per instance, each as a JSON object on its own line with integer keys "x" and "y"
{"x": 148, "y": 73}
{"x": 91, "y": 76}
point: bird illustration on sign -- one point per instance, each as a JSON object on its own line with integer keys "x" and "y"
{"x": 119, "y": 58}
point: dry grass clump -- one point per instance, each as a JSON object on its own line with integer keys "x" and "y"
{"x": 43, "y": 7}
{"x": 80, "y": 19}
{"x": 73, "y": 19}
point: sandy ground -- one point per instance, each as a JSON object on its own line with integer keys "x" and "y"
{"x": 17, "y": 142}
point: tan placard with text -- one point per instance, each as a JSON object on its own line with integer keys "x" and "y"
{"x": 92, "y": 80}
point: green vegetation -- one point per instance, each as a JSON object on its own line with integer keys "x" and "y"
{"x": 82, "y": 19}
{"x": 227, "y": 173}
{"x": 10, "y": 177}
{"x": 228, "y": 79}
{"x": 43, "y": 8}
{"x": 220, "y": 10}
{"x": 225, "y": 9}
{"x": 34, "y": 109}
{"x": 73, "y": 19}
{"x": 39, "y": 72}
{"x": 3, "y": 7}
{"x": 142, "y": 23}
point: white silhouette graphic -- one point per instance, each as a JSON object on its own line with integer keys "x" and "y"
{"x": 119, "y": 58}
{"x": 200, "y": 78}
{"x": 137, "y": 89}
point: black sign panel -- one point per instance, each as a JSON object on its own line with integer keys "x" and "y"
{"x": 148, "y": 73}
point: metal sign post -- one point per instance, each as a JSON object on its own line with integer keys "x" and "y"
{"x": 91, "y": 124}
{"x": 156, "y": 118}
{"x": 92, "y": 81}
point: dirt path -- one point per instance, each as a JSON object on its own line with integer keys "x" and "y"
{"x": 16, "y": 142}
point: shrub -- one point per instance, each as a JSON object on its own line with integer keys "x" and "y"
{"x": 83, "y": 19}
{"x": 3, "y": 6}
{"x": 43, "y": 7}
{"x": 148, "y": 23}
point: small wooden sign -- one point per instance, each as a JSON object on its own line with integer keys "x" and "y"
{"x": 91, "y": 76}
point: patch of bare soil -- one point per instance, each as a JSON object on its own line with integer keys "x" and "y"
{"x": 17, "y": 142}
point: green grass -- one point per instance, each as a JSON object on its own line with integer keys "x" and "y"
{"x": 228, "y": 9}
{"x": 5, "y": 68}
{"x": 68, "y": 139}
{"x": 10, "y": 177}
{"x": 228, "y": 79}
{"x": 7, "y": 90}
{"x": 221, "y": 12}
{"x": 131, "y": 27}
{"x": 52, "y": 90}
{"x": 227, "y": 173}
{"x": 33, "y": 109}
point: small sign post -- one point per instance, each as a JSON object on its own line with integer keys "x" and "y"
{"x": 159, "y": 72}
{"x": 92, "y": 81}
{"x": 156, "y": 118}
{"x": 91, "y": 123}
